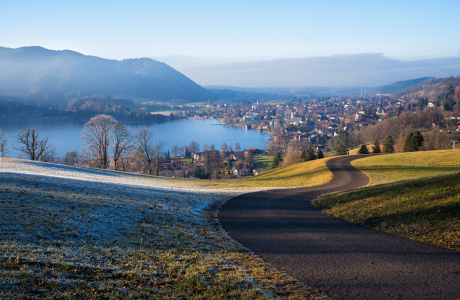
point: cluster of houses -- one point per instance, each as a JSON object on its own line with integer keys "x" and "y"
{"x": 246, "y": 166}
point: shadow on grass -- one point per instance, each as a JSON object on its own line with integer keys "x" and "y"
{"x": 391, "y": 189}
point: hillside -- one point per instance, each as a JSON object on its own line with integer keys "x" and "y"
{"x": 425, "y": 210}
{"x": 431, "y": 88}
{"x": 82, "y": 233}
{"x": 398, "y": 86}
{"x": 44, "y": 75}
{"x": 410, "y": 165}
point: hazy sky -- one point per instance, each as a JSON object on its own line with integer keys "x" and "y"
{"x": 243, "y": 30}
{"x": 233, "y": 31}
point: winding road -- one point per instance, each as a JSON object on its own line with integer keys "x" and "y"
{"x": 344, "y": 260}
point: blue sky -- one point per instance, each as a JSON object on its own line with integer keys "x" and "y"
{"x": 235, "y": 30}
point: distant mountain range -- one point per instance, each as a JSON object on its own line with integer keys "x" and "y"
{"x": 270, "y": 92}
{"x": 44, "y": 75}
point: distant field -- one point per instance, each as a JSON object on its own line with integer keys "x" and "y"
{"x": 263, "y": 160}
{"x": 411, "y": 165}
{"x": 78, "y": 233}
{"x": 308, "y": 173}
{"x": 426, "y": 210}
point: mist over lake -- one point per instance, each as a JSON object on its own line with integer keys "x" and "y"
{"x": 66, "y": 136}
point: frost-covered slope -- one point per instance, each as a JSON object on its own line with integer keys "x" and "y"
{"x": 68, "y": 232}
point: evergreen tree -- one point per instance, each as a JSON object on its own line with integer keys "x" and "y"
{"x": 342, "y": 149}
{"x": 422, "y": 103}
{"x": 310, "y": 154}
{"x": 303, "y": 155}
{"x": 363, "y": 149}
{"x": 413, "y": 142}
{"x": 376, "y": 147}
{"x": 409, "y": 145}
{"x": 229, "y": 164}
{"x": 187, "y": 153}
{"x": 418, "y": 139}
{"x": 167, "y": 155}
{"x": 388, "y": 145}
{"x": 320, "y": 154}
{"x": 197, "y": 173}
{"x": 277, "y": 160}
{"x": 207, "y": 165}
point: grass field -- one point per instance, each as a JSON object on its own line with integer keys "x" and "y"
{"x": 308, "y": 173}
{"x": 77, "y": 233}
{"x": 411, "y": 165}
{"x": 262, "y": 160}
{"x": 425, "y": 210}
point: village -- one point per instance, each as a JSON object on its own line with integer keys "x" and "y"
{"x": 293, "y": 124}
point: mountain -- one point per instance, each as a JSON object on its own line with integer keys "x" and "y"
{"x": 398, "y": 86}
{"x": 432, "y": 88}
{"x": 58, "y": 76}
{"x": 348, "y": 70}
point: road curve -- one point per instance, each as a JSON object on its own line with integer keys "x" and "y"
{"x": 344, "y": 260}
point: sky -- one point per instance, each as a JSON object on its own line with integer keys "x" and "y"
{"x": 198, "y": 33}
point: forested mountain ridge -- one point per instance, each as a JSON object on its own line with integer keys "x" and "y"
{"x": 44, "y": 75}
{"x": 432, "y": 88}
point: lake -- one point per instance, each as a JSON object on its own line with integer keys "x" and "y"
{"x": 66, "y": 136}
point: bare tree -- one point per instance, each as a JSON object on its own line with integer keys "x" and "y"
{"x": 212, "y": 147}
{"x": 123, "y": 142}
{"x": 71, "y": 158}
{"x": 181, "y": 150}
{"x": 237, "y": 146}
{"x": 3, "y": 144}
{"x": 144, "y": 137}
{"x": 292, "y": 157}
{"x": 175, "y": 150}
{"x": 224, "y": 147}
{"x": 230, "y": 148}
{"x": 194, "y": 147}
{"x": 34, "y": 148}
{"x": 96, "y": 136}
{"x": 159, "y": 152}
{"x": 205, "y": 147}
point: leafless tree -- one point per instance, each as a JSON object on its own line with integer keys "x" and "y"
{"x": 144, "y": 137}
{"x": 71, "y": 158}
{"x": 3, "y": 144}
{"x": 212, "y": 147}
{"x": 33, "y": 147}
{"x": 205, "y": 147}
{"x": 230, "y": 148}
{"x": 96, "y": 136}
{"x": 175, "y": 150}
{"x": 123, "y": 142}
{"x": 159, "y": 152}
{"x": 224, "y": 147}
{"x": 292, "y": 157}
{"x": 194, "y": 147}
{"x": 181, "y": 150}
{"x": 237, "y": 146}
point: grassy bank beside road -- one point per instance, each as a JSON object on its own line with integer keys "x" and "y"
{"x": 410, "y": 165}
{"x": 425, "y": 210}
{"x": 308, "y": 173}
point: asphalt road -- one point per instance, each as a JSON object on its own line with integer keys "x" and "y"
{"x": 344, "y": 260}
